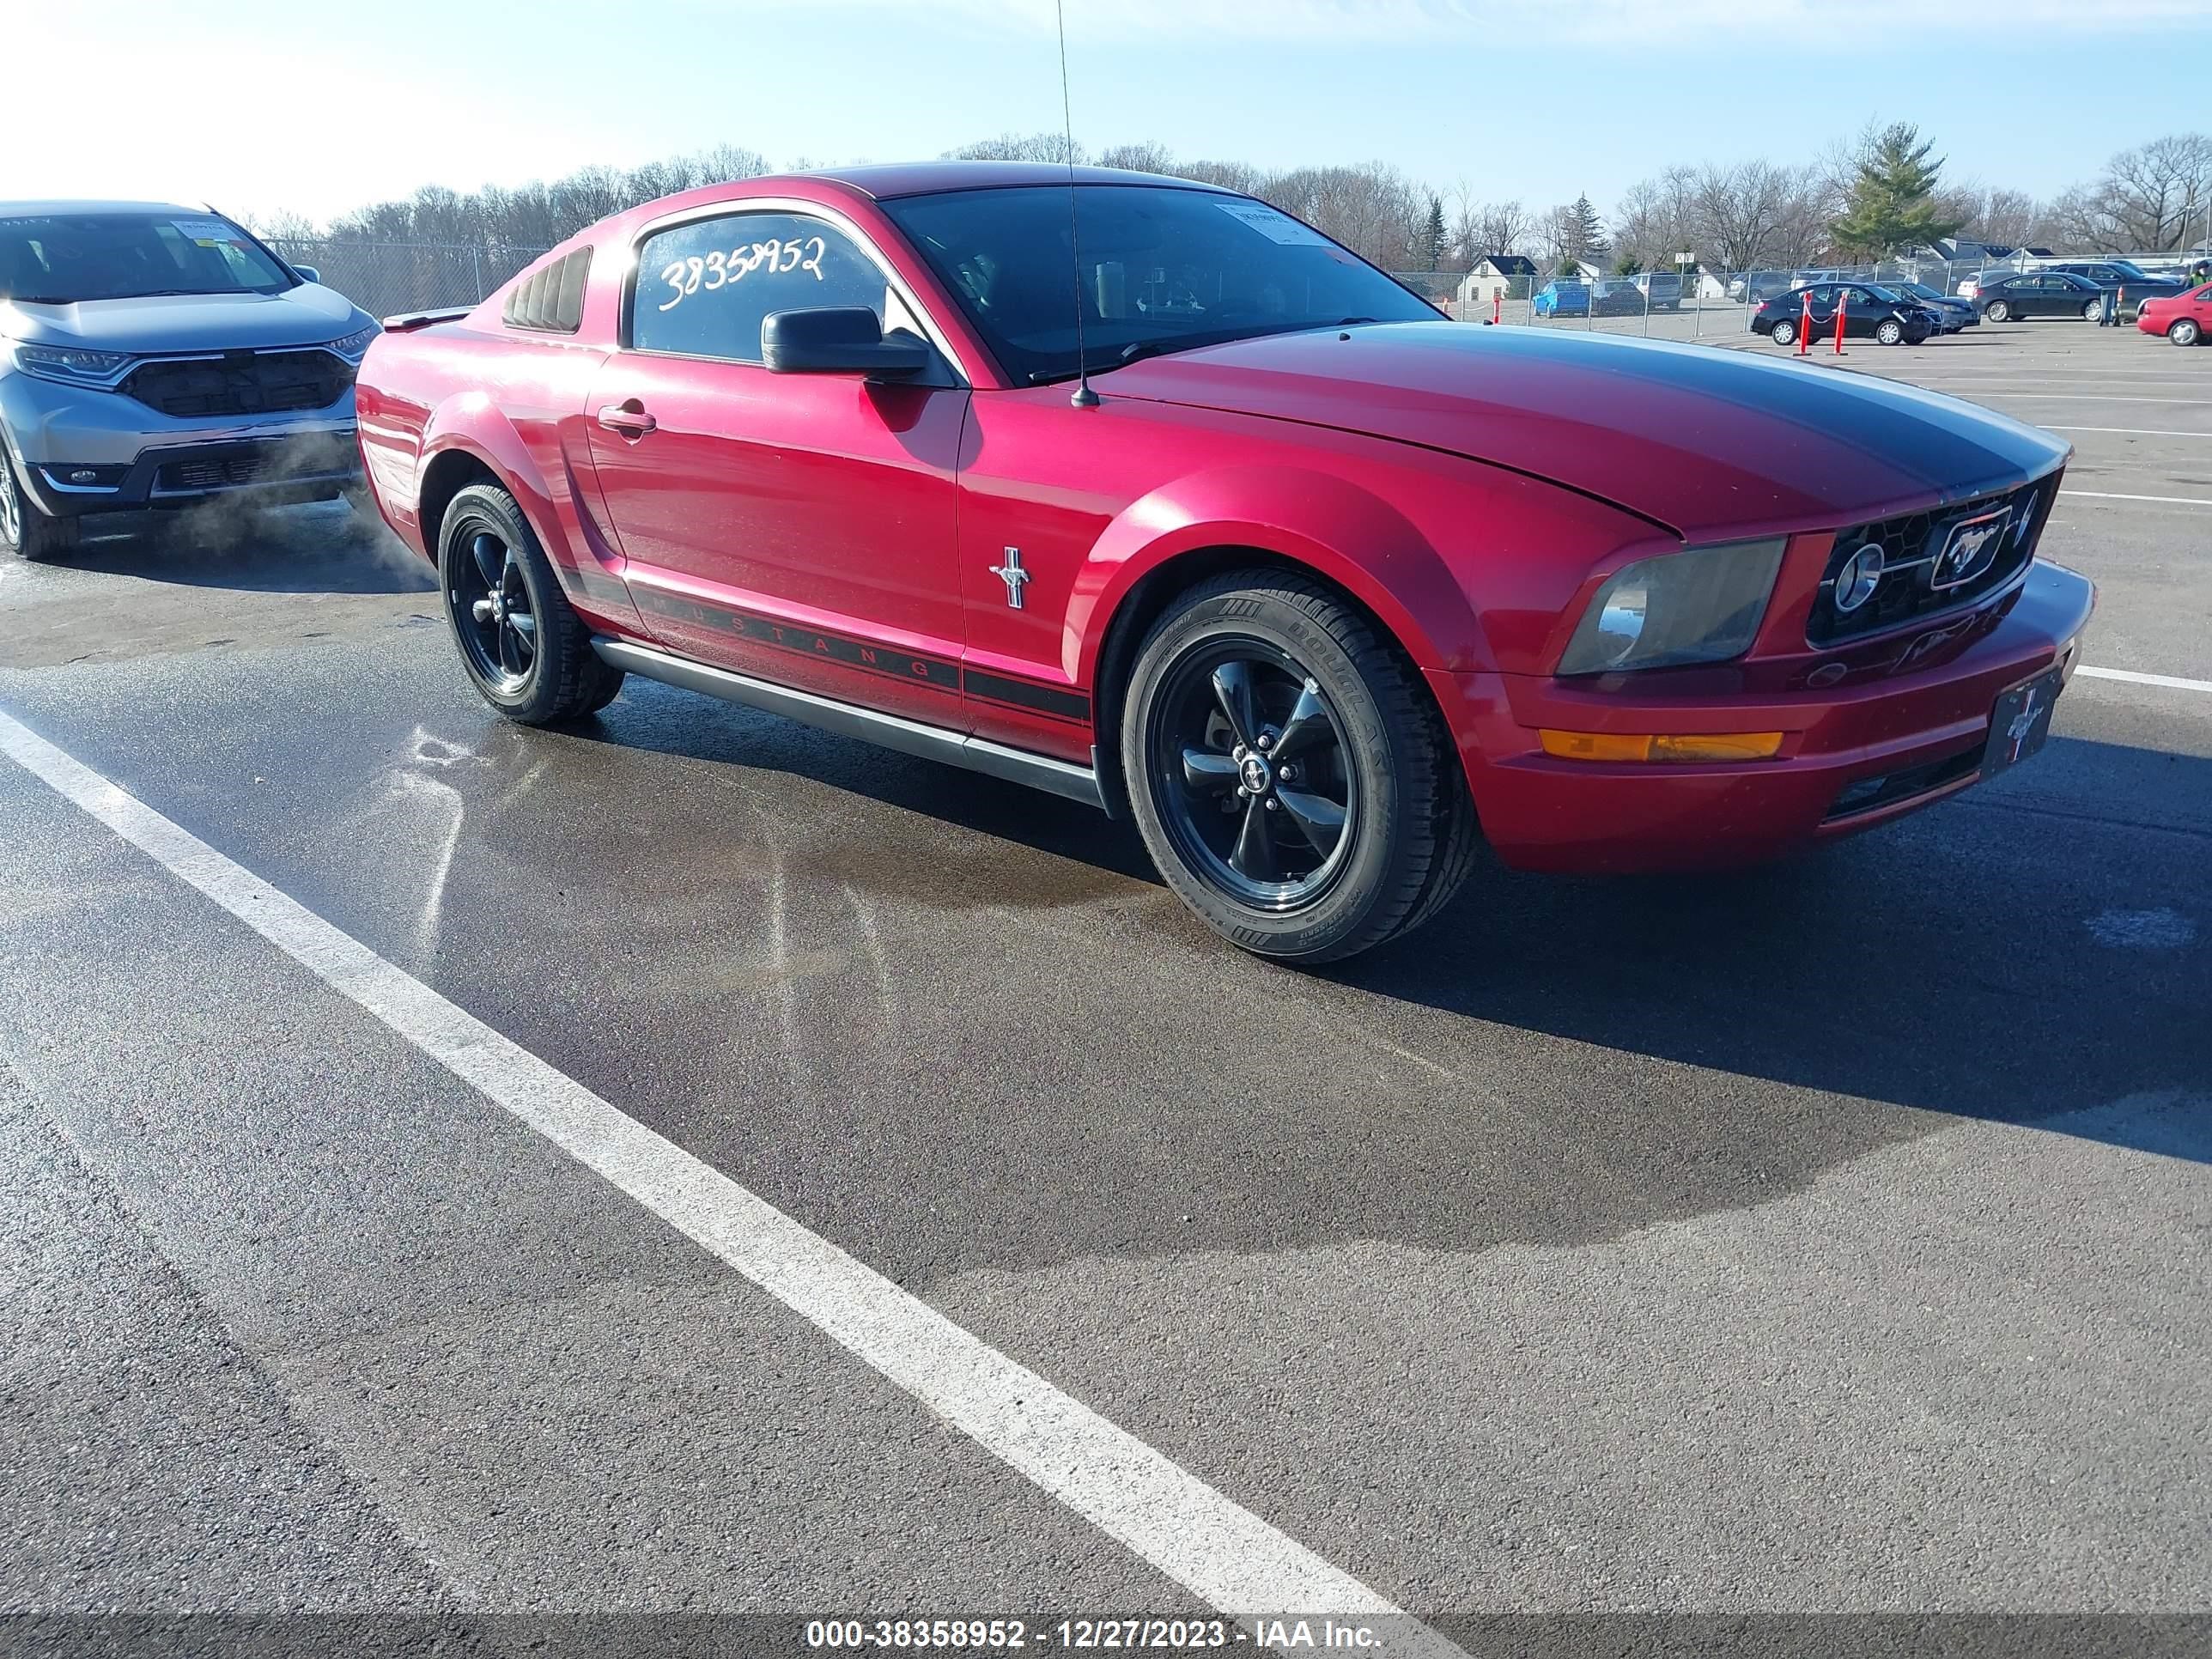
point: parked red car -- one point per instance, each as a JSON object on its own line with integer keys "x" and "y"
{"x": 2185, "y": 318}
{"x": 1322, "y": 590}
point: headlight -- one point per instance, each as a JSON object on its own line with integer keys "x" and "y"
{"x": 71, "y": 365}
{"x": 354, "y": 345}
{"x": 1703, "y": 604}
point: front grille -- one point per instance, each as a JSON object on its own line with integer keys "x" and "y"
{"x": 241, "y": 383}
{"x": 1910, "y": 546}
{"x": 231, "y": 466}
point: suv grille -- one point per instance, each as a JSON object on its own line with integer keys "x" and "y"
{"x": 1910, "y": 547}
{"x": 241, "y": 383}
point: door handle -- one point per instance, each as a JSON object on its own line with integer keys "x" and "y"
{"x": 628, "y": 417}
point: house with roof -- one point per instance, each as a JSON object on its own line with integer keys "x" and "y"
{"x": 1510, "y": 274}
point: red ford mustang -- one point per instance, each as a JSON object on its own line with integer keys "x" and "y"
{"x": 1320, "y": 588}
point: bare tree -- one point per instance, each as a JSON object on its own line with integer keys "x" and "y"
{"x": 1742, "y": 209}
{"x": 2150, "y": 199}
{"x": 1147, "y": 157}
{"x": 1019, "y": 147}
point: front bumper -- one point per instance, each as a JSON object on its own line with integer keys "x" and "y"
{"x": 141, "y": 457}
{"x": 1921, "y": 729}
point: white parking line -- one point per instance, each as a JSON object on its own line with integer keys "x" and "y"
{"x": 2111, "y": 495}
{"x": 2170, "y": 682}
{"x": 1215, "y": 1548}
{"x": 2128, "y": 431}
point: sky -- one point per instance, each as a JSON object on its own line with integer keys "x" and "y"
{"x": 314, "y": 109}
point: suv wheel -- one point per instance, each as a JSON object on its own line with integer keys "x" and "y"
{"x": 526, "y": 652}
{"x": 1288, "y": 772}
{"x": 24, "y": 530}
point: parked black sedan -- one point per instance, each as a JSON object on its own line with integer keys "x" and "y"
{"x": 1871, "y": 312}
{"x": 2043, "y": 294}
{"x": 2134, "y": 284}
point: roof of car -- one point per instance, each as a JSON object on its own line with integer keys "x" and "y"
{"x": 61, "y": 209}
{"x": 888, "y": 179}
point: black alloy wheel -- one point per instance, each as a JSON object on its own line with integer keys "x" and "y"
{"x": 1252, "y": 778}
{"x": 1289, "y": 771}
{"x": 527, "y": 651}
{"x": 490, "y": 605}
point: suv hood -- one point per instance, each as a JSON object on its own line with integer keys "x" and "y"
{"x": 1712, "y": 444}
{"x": 306, "y": 315}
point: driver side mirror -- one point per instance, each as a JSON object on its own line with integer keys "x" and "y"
{"x": 307, "y": 273}
{"x": 839, "y": 340}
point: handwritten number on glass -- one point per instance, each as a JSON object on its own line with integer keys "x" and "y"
{"x": 717, "y": 269}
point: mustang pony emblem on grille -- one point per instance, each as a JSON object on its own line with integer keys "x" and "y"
{"x": 1971, "y": 549}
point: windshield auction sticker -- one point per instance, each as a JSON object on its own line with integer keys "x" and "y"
{"x": 208, "y": 233}
{"x": 1275, "y": 227}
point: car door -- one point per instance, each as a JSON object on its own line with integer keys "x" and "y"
{"x": 1862, "y": 313}
{"x": 797, "y": 527}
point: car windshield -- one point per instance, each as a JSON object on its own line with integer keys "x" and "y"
{"x": 1162, "y": 269}
{"x": 59, "y": 258}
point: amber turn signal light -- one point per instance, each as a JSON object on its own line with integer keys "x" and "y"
{"x": 1692, "y": 746}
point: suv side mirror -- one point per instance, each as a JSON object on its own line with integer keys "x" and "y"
{"x": 307, "y": 273}
{"x": 839, "y": 340}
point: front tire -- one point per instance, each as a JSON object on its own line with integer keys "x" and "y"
{"x": 527, "y": 652}
{"x": 2184, "y": 333}
{"x": 24, "y": 530}
{"x": 1889, "y": 332}
{"x": 1783, "y": 333}
{"x": 1288, "y": 773}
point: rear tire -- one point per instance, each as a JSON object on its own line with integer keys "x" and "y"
{"x": 2184, "y": 332}
{"x": 1290, "y": 774}
{"x": 2093, "y": 311}
{"x": 1783, "y": 333}
{"x": 1997, "y": 312}
{"x": 526, "y": 652}
{"x": 24, "y": 530}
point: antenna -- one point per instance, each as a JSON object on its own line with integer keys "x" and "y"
{"x": 1084, "y": 396}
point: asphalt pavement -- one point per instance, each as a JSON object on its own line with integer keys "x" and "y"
{"x": 1829, "y": 1239}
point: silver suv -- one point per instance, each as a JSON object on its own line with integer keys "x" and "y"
{"x": 152, "y": 356}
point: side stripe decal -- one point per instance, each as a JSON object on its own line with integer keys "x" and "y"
{"x": 1057, "y": 702}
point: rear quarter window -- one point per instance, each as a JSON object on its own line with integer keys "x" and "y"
{"x": 550, "y": 300}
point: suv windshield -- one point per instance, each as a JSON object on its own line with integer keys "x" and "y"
{"x": 59, "y": 258}
{"x": 1163, "y": 270}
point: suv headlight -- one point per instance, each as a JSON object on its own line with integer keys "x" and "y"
{"x": 71, "y": 365}
{"x": 1703, "y": 605}
{"x": 355, "y": 346}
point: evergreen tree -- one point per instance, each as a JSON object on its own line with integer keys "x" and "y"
{"x": 1627, "y": 265}
{"x": 1892, "y": 204}
{"x": 1434, "y": 237}
{"x": 1589, "y": 230}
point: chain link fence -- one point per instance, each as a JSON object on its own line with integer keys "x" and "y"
{"x": 387, "y": 278}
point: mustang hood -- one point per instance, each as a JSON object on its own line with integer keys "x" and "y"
{"x": 307, "y": 315}
{"x": 1714, "y": 445}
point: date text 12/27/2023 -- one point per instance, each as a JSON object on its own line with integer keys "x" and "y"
{"x": 987, "y": 1636}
